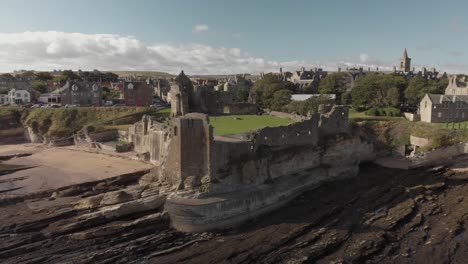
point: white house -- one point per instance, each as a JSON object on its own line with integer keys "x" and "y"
{"x": 49, "y": 98}
{"x": 18, "y": 96}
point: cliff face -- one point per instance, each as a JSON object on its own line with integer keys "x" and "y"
{"x": 11, "y": 128}
{"x": 252, "y": 185}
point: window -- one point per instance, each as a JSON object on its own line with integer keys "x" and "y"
{"x": 439, "y": 114}
{"x": 175, "y": 131}
{"x": 425, "y": 104}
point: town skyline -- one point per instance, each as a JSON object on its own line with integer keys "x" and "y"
{"x": 219, "y": 37}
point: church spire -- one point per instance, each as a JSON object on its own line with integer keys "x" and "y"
{"x": 405, "y": 54}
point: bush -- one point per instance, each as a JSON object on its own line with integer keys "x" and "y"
{"x": 387, "y": 111}
{"x": 391, "y": 111}
{"x": 373, "y": 112}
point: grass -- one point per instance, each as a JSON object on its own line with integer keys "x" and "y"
{"x": 353, "y": 114}
{"x": 63, "y": 122}
{"x": 396, "y": 132}
{"x": 229, "y": 125}
{"x": 452, "y": 125}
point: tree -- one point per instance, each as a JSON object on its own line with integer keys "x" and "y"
{"x": 71, "y": 75}
{"x": 43, "y": 76}
{"x": 346, "y": 98}
{"x": 27, "y": 74}
{"x": 334, "y": 83}
{"x": 262, "y": 93}
{"x": 419, "y": 86}
{"x": 393, "y": 97}
{"x": 242, "y": 94}
{"x": 375, "y": 90}
{"x": 281, "y": 98}
{"x": 7, "y": 77}
{"x": 308, "y": 106}
{"x": 61, "y": 79}
{"x": 416, "y": 90}
{"x": 39, "y": 86}
{"x": 108, "y": 94}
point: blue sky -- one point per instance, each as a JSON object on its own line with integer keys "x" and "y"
{"x": 234, "y": 35}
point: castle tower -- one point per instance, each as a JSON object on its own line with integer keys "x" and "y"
{"x": 405, "y": 62}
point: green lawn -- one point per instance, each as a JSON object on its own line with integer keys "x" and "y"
{"x": 353, "y": 114}
{"x": 452, "y": 125}
{"x": 228, "y": 125}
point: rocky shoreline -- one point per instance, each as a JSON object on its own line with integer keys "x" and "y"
{"x": 398, "y": 216}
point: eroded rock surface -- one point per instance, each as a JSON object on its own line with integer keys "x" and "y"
{"x": 381, "y": 216}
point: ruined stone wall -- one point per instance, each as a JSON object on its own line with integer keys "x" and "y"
{"x": 149, "y": 137}
{"x": 104, "y": 136}
{"x": 334, "y": 122}
{"x": 298, "y": 118}
{"x": 273, "y": 152}
{"x": 300, "y": 133}
{"x": 279, "y": 177}
{"x": 190, "y": 151}
{"x": 230, "y": 152}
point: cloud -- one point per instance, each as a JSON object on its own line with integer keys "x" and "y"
{"x": 200, "y": 28}
{"x": 58, "y": 50}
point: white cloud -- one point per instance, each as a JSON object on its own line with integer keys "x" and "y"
{"x": 59, "y": 50}
{"x": 200, "y": 28}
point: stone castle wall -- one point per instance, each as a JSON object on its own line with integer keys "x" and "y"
{"x": 222, "y": 181}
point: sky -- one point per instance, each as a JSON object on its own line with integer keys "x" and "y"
{"x": 225, "y": 37}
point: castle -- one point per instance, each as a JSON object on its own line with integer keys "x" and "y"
{"x": 219, "y": 182}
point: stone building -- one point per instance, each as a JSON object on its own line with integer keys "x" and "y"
{"x": 182, "y": 92}
{"x": 162, "y": 88}
{"x": 450, "y": 107}
{"x": 456, "y": 87}
{"x": 138, "y": 93}
{"x": 81, "y": 93}
{"x": 439, "y": 108}
{"x": 307, "y": 79}
{"x": 405, "y": 62}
